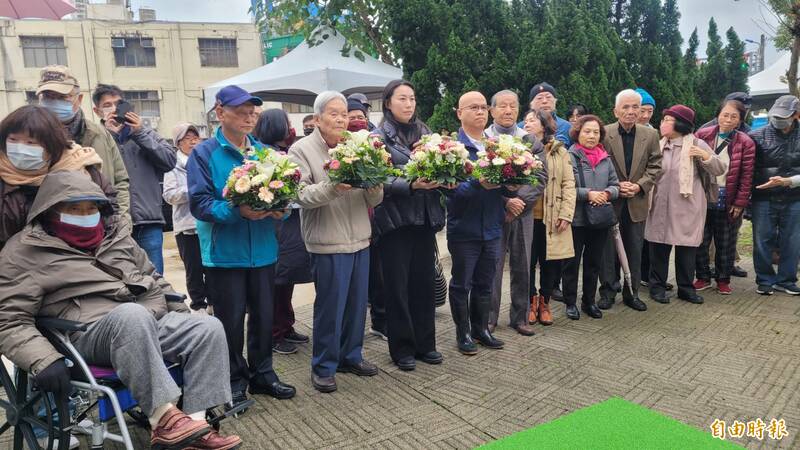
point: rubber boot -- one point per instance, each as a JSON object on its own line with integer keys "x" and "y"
{"x": 481, "y": 309}
{"x": 464, "y": 341}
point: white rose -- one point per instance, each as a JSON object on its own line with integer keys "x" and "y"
{"x": 258, "y": 179}
{"x": 242, "y": 185}
{"x": 499, "y": 161}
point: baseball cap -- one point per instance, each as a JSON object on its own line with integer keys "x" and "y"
{"x": 358, "y": 96}
{"x": 785, "y": 106}
{"x": 57, "y": 79}
{"x": 235, "y": 96}
{"x": 354, "y": 104}
{"x": 180, "y": 131}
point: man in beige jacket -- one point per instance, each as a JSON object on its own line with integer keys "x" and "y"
{"x": 336, "y": 229}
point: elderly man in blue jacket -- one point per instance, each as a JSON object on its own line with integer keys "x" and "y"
{"x": 238, "y": 246}
{"x": 475, "y": 216}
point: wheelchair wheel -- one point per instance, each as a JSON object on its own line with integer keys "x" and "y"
{"x": 30, "y": 412}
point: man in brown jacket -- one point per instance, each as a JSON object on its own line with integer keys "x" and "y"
{"x": 636, "y": 156}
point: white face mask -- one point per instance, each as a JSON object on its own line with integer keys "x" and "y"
{"x": 24, "y": 156}
{"x": 89, "y": 221}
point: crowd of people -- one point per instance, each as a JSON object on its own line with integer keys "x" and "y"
{"x": 81, "y": 233}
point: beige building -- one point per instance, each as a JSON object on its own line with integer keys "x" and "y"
{"x": 161, "y": 66}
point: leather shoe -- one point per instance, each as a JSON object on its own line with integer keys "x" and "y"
{"x": 606, "y": 302}
{"x": 525, "y": 330}
{"x": 486, "y": 339}
{"x": 572, "y": 312}
{"x": 177, "y": 429}
{"x": 466, "y": 346}
{"x": 592, "y": 311}
{"x": 635, "y": 303}
{"x": 277, "y": 389}
{"x": 691, "y": 298}
{"x": 362, "y": 369}
{"x": 431, "y": 357}
{"x": 739, "y": 272}
{"x": 557, "y": 295}
{"x": 323, "y": 384}
{"x": 406, "y": 363}
{"x": 215, "y": 441}
{"x": 660, "y": 297}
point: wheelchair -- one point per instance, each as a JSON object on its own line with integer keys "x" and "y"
{"x": 44, "y": 421}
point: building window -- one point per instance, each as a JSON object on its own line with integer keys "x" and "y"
{"x": 134, "y": 52}
{"x": 218, "y": 53}
{"x": 41, "y": 51}
{"x": 295, "y": 108}
{"x": 145, "y": 103}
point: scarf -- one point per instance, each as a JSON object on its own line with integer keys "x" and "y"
{"x": 76, "y": 126}
{"x": 81, "y": 238}
{"x": 499, "y": 129}
{"x": 594, "y": 155}
{"x": 685, "y": 167}
{"x": 409, "y": 133}
{"x": 75, "y": 158}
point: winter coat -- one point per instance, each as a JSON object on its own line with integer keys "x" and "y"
{"x": 742, "y": 154}
{"x": 294, "y": 262}
{"x": 602, "y": 178}
{"x": 97, "y": 137}
{"x": 402, "y": 206}
{"x": 147, "y": 157}
{"x": 42, "y": 276}
{"x": 559, "y": 200}
{"x": 777, "y": 154}
{"x": 176, "y": 193}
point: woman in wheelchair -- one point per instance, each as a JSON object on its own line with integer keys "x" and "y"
{"x": 32, "y": 144}
{"x": 72, "y": 261}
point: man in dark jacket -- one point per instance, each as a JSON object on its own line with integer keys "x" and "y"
{"x": 147, "y": 158}
{"x": 775, "y": 203}
{"x": 475, "y": 216}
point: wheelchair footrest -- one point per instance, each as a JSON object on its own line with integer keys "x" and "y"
{"x": 237, "y": 409}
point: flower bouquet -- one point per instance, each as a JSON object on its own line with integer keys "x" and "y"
{"x": 507, "y": 160}
{"x": 439, "y": 159}
{"x": 269, "y": 182}
{"x": 360, "y": 161}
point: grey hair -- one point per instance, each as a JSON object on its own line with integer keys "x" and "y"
{"x": 627, "y": 93}
{"x": 502, "y": 93}
{"x": 324, "y": 98}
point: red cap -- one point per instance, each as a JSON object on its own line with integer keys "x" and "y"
{"x": 682, "y": 112}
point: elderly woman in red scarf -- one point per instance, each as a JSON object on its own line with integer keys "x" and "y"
{"x": 597, "y": 185}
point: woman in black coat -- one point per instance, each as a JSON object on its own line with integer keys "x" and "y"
{"x": 405, "y": 225}
{"x": 294, "y": 264}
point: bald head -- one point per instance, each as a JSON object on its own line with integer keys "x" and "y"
{"x": 473, "y": 112}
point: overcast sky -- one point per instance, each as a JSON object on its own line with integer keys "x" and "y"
{"x": 747, "y": 17}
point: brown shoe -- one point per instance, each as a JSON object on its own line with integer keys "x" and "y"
{"x": 525, "y": 330}
{"x": 176, "y": 429}
{"x": 533, "y": 314}
{"x": 545, "y": 316}
{"x": 214, "y": 441}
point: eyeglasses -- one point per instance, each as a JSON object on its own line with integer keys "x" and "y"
{"x": 476, "y": 108}
{"x": 668, "y": 119}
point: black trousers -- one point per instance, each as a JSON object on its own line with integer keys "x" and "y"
{"x": 407, "y": 257}
{"x": 632, "y": 234}
{"x": 659, "y": 268}
{"x": 589, "y": 244}
{"x": 234, "y": 292}
{"x": 377, "y": 304}
{"x": 645, "y": 269}
{"x": 189, "y": 249}
{"x": 549, "y": 271}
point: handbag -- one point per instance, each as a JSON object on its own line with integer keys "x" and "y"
{"x": 597, "y": 217}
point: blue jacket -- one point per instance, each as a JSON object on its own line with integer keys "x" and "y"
{"x": 227, "y": 239}
{"x": 475, "y": 213}
{"x": 562, "y": 130}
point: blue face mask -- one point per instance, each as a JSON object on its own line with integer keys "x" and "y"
{"x": 24, "y": 156}
{"x": 61, "y": 108}
{"x": 89, "y": 221}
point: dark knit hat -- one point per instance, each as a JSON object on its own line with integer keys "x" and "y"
{"x": 542, "y": 87}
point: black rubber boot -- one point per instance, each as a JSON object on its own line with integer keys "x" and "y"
{"x": 464, "y": 341}
{"x": 481, "y": 309}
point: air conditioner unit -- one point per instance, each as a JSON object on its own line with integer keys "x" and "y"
{"x": 117, "y": 42}
{"x": 147, "y": 42}
{"x": 150, "y": 122}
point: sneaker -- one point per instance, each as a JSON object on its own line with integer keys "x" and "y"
{"x": 764, "y": 289}
{"x": 296, "y": 338}
{"x": 378, "y": 333}
{"x": 284, "y": 347}
{"x": 701, "y": 285}
{"x": 790, "y": 289}
{"x": 724, "y": 288}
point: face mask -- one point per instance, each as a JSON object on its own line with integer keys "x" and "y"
{"x": 307, "y": 131}
{"x": 89, "y": 221}
{"x": 291, "y": 137}
{"x": 61, "y": 108}
{"x": 24, "y": 156}
{"x": 357, "y": 125}
{"x": 781, "y": 124}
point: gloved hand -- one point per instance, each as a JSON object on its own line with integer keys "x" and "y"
{"x": 54, "y": 378}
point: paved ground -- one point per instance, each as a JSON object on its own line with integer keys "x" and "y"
{"x": 734, "y": 357}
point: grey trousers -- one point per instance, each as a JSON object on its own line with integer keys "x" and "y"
{"x": 516, "y": 240}
{"x": 131, "y": 341}
{"x": 632, "y": 239}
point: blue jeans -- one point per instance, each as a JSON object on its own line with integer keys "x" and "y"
{"x": 151, "y": 238}
{"x": 776, "y": 224}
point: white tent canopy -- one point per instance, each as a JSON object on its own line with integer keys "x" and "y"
{"x": 306, "y": 71}
{"x": 768, "y": 81}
